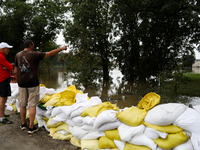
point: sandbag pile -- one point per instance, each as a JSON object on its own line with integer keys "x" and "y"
{"x": 92, "y": 124}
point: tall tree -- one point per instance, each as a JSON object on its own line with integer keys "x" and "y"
{"x": 89, "y": 32}
{"x": 36, "y": 20}
{"x": 153, "y": 34}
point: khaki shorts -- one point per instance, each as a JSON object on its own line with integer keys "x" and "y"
{"x": 29, "y": 95}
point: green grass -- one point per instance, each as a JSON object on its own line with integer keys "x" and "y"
{"x": 189, "y": 87}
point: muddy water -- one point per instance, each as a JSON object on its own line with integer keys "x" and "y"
{"x": 116, "y": 92}
{"x": 112, "y": 92}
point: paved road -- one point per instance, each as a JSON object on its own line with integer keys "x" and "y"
{"x": 11, "y": 137}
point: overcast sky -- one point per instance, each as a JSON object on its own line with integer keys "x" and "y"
{"x": 60, "y": 41}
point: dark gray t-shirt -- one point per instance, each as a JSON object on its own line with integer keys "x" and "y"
{"x": 27, "y": 62}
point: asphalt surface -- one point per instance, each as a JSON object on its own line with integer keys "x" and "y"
{"x": 12, "y": 137}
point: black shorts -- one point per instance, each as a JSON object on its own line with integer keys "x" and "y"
{"x": 5, "y": 90}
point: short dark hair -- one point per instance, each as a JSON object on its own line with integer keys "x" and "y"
{"x": 27, "y": 43}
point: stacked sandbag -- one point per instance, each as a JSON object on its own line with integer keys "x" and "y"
{"x": 92, "y": 124}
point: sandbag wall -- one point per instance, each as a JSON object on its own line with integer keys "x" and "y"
{"x": 92, "y": 124}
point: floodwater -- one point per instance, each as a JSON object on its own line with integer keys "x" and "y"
{"x": 117, "y": 92}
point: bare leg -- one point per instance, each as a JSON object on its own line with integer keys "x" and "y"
{"x": 2, "y": 106}
{"x": 23, "y": 114}
{"x": 32, "y": 112}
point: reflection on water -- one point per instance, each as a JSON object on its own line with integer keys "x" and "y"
{"x": 112, "y": 92}
{"x": 116, "y": 92}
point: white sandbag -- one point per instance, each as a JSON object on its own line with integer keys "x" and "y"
{"x": 49, "y": 110}
{"x": 185, "y": 146}
{"x": 58, "y": 118}
{"x": 195, "y": 139}
{"x": 39, "y": 120}
{"x": 165, "y": 114}
{"x": 143, "y": 140}
{"x": 154, "y": 134}
{"x": 120, "y": 144}
{"x": 56, "y": 111}
{"x": 126, "y": 132}
{"x": 105, "y": 117}
{"x": 77, "y": 132}
{"x": 63, "y": 132}
{"x": 87, "y": 127}
{"x": 13, "y": 87}
{"x": 197, "y": 108}
{"x": 110, "y": 125}
{"x": 93, "y": 135}
{"x": 81, "y": 98}
{"x": 67, "y": 110}
{"x": 9, "y": 108}
{"x": 88, "y": 120}
{"x": 78, "y": 121}
{"x": 44, "y": 91}
{"x": 17, "y": 105}
{"x": 70, "y": 122}
{"x": 78, "y": 111}
{"x": 15, "y": 93}
{"x": 94, "y": 100}
{"x": 40, "y": 111}
{"x": 189, "y": 121}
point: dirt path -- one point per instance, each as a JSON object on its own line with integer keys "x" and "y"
{"x": 11, "y": 137}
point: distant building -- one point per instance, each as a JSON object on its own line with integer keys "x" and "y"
{"x": 196, "y": 66}
{"x": 196, "y": 63}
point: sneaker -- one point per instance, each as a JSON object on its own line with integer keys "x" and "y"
{"x": 23, "y": 127}
{"x": 33, "y": 130}
{"x": 6, "y": 116}
{"x": 5, "y": 121}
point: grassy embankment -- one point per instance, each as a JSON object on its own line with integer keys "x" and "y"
{"x": 189, "y": 87}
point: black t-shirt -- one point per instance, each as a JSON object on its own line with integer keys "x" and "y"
{"x": 27, "y": 62}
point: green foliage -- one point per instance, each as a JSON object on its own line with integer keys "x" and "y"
{"x": 63, "y": 58}
{"x": 85, "y": 68}
{"x": 36, "y": 20}
{"x": 47, "y": 64}
{"x": 88, "y": 31}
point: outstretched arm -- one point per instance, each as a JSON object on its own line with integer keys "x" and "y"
{"x": 55, "y": 51}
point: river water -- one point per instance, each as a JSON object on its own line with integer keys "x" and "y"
{"x": 112, "y": 92}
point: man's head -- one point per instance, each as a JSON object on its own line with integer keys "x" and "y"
{"x": 29, "y": 44}
{"x": 4, "y": 48}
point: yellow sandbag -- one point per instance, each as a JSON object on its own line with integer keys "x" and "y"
{"x": 45, "y": 119}
{"x": 90, "y": 111}
{"x": 72, "y": 88}
{"x": 149, "y": 101}
{"x": 132, "y": 116}
{"x": 58, "y": 103}
{"x": 42, "y": 85}
{"x": 45, "y": 99}
{"x": 53, "y": 125}
{"x": 64, "y": 127}
{"x": 172, "y": 140}
{"x": 113, "y": 134}
{"x": 90, "y": 144}
{"x": 14, "y": 107}
{"x": 129, "y": 146}
{"x": 167, "y": 129}
{"x": 52, "y": 101}
{"x": 104, "y": 142}
{"x": 75, "y": 142}
{"x": 62, "y": 137}
{"x": 52, "y": 131}
{"x": 96, "y": 110}
{"x": 106, "y": 106}
{"x": 67, "y": 97}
